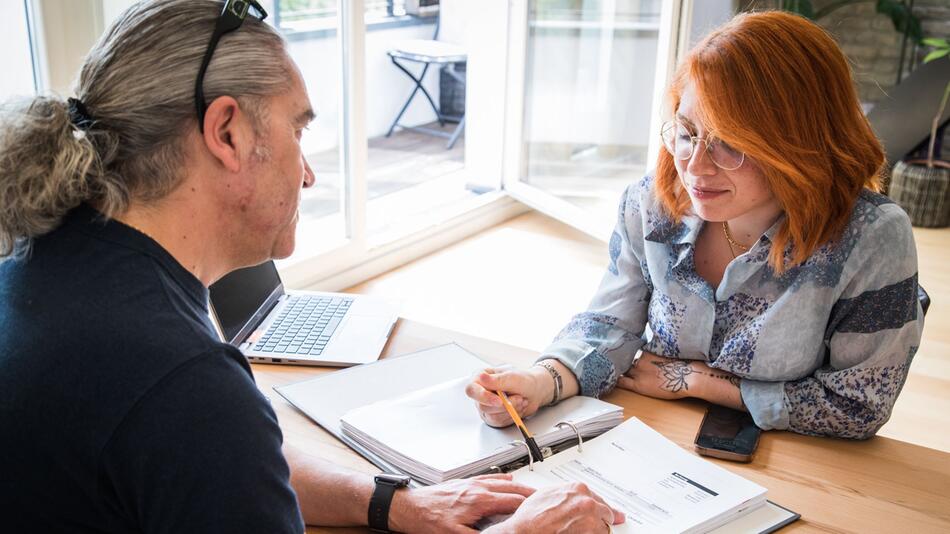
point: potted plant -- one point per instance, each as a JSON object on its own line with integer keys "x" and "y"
{"x": 922, "y": 186}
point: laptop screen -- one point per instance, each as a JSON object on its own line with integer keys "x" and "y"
{"x": 240, "y": 294}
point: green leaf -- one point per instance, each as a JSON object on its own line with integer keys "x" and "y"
{"x": 938, "y": 43}
{"x": 936, "y": 54}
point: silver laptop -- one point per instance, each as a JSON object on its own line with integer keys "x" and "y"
{"x": 255, "y": 314}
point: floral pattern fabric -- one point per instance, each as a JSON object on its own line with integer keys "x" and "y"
{"x": 824, "y": 348}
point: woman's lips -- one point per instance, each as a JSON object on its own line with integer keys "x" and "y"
{"x": 706, "y": 193}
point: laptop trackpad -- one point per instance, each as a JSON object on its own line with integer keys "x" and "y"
{"x": 361, "y": 337}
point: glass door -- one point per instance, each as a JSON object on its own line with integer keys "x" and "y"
{"x": 400, "y": 167}
{"x": 319, "y": 34}
{"x": 587, "y": 82}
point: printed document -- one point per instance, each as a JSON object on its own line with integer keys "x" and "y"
{"x": 658, "y": 486}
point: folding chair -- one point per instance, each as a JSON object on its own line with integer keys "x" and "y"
{"x": 429, "y": 52}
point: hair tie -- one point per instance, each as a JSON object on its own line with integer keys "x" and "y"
{"x": 79, "y": 115}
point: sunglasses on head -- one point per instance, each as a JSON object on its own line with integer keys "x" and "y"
{"x": 231, "y": 18}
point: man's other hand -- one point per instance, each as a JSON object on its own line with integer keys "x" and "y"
{"x": 566, "y": 509}
{"x": 456, "y": 505}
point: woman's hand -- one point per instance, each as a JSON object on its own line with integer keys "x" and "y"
{"x": 671, "y": 378}
{"x": 527, "y": 390}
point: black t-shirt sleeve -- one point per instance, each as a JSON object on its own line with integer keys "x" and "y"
{"x": 201, "y": 452}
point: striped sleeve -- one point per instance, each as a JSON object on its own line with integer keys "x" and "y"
{"x": 872, "y": 335}
{"x": 599, "y": 344}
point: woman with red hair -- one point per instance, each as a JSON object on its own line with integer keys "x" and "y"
{"x": 759, "y": 267}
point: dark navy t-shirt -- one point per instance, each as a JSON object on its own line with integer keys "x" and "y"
{"x": 120, "y": 411}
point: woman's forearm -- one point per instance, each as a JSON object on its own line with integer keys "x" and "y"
{"x": 717, "y": 387}
{"x": 569, "y": 384}
{"x": 674, "y": 378}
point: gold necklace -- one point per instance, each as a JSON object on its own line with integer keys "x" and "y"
{"x": 733, "y": 244}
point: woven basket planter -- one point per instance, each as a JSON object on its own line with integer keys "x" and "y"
{"x": 923, "y": 192}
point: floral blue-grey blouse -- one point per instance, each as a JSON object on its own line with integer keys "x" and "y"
{"x": 823, "y": 348}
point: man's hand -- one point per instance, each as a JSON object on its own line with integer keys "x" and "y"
{"x": 561, "y": 509}
{"x": 671, "y": 378}
{"x": 456, "y": 505}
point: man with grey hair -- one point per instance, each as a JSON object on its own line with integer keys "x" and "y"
{"x": 177, "y": 162}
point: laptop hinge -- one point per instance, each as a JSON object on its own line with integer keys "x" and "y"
{"x": 251, "y": 325}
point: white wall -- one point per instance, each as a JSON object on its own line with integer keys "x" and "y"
{"x": 111, "y": 9}
{"x": 70, "y": 27}
{"x": 17, "y": 78}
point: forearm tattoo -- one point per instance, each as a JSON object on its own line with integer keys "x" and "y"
{"x": 675, "y": 374}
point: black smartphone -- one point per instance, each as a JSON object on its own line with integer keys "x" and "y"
{"x": 728, "y": 434}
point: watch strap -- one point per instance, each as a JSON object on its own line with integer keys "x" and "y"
{"x": 381, "y": 501}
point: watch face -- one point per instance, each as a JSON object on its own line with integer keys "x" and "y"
{"x": 396, "y": 480}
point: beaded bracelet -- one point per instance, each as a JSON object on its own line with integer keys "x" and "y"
{"x": 558, "y": 381}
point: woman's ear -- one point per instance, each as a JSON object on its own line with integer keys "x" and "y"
{"x": 226, "y": 132}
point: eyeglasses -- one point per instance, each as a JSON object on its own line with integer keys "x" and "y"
{"x": 681, "y": 144}
{"x": 232, "y": 16}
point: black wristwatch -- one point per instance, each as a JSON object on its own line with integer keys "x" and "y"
{"x": 386, "y": 486}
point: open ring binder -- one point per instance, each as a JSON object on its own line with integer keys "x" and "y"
{"x": 530, "y": 456}
{"x": 580, "y": 440}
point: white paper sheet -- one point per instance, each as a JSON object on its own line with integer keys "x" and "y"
{"x": 326, "y": 398}
{"x": 656, "y": 484}
{"x": 436, "y": 434}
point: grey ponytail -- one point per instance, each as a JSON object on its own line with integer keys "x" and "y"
{"x": 47, "y": 167}
{"x": 138, "y": 86}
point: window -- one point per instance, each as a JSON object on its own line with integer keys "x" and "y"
{"x": 383, "y": 188}
{"x": 538, "y": 88}
{"x": 18, "y": 76}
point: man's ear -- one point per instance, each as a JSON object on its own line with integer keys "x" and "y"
{"x": 226, "y": 132}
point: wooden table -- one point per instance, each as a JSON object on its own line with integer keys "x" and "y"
{"x": 878, "y": 485}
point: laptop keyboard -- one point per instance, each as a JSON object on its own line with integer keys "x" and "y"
{"x": 304, "y": 325}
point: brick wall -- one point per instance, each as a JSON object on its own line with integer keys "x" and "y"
{"x": 874, "y": 46}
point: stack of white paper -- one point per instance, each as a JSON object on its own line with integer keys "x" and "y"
{"x": 435, "y": 434}
{"x": 658, "y": 486}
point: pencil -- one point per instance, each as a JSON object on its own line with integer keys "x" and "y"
{"x": 528, "y": 438}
